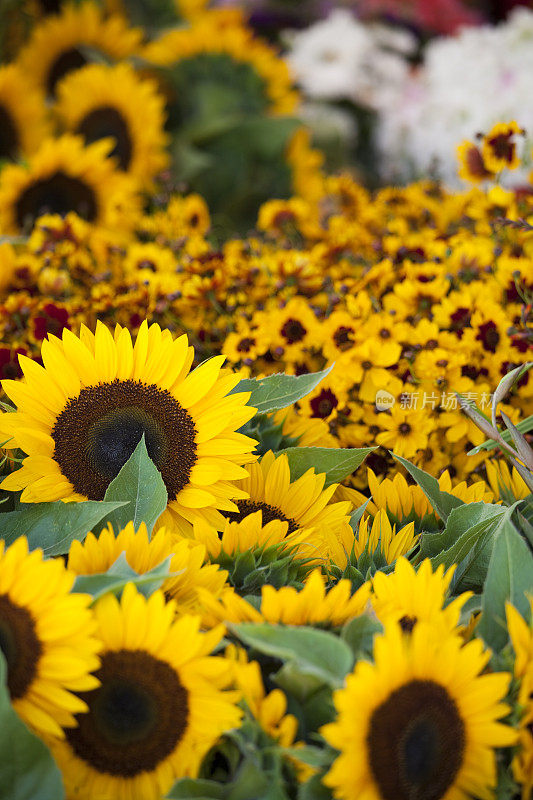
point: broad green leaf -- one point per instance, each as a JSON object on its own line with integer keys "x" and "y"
{"x": 280, "y": 390}
{"x": 27, "y": 769}
{"x": 140, "y": 484}
{"x": 314, "y": 789}
{"x": 442, "y": 502}
{"x": 313, "y": 756}
{"x": 315, "y": 652}
{"x": 460, "y": 521}
{"x": 336, "y": 462}
{"x": 472, "y": 544}
{"x": 509, "y": 577}
{"x": 119, "y": 574}
{"x": 54, "y": 526}
{"x": 359, "y": 635}
{"x": 196, "y": 789}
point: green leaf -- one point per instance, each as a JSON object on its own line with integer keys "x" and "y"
{"x": 119, "y": 574}
{"x": 313, "y": 756}
{"x": 314, "y": 789}
{"x": 467, "y": 541}
{"x": 509, "y": 577}
{"x": 336, "y": 462}
{"x": 442, "y": 502}
{"x": 359, "y": 634}
{"x": 314, "y": 652}
{"x": 27, "y": 769}
{"x": 196, "y": 789}
{"x": 140, "y": 484}
{"x": 54, "y": 526}
{"x": 280, "y": 390}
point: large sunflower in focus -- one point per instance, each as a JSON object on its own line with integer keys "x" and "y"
{"x": 100, "y": 101}
{"x": 159, "y": 708}
{"x": 65, "y": 176}
{"x": 81, "y": 415}
{"x": 59, "y": 44}
{"x": 47, "y": 638}
{"x": 419, "y": 722}
{"x": 23, "y": 121}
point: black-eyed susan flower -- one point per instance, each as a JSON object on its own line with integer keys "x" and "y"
{"x": 472, "y": 167}
{"x": 47, "y": 636}
{"x": 23, "y": 117}
{"x": 143, "y": 553}
{"x": 56, "y": 46}
{"x": 64, "y": 176}
{"x": 100, "y": 101}
{"x": 499, "y": 146}
{"x": 406, "y": 430}
{"x": 421, "y": 721}
{"x": 408, "y": 596}
{"x": 159, "y": 708}
{"x": 82, "y": 414}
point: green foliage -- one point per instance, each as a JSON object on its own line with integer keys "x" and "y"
{"x": 337, "y": 462}
{"x": 442, "y": 502}
{"x": 140, "y": 490}
{"x": 359, "y": 634}
{"x": 54, "y": 526}
{"x": 509, "y": 577}
{"x": 119, "y": 574}
{"x": 276, "y": 565}
{"x": 280, "y": 390}
{"x": 466, "y": 541}
{"x": 27, "y": 769}
{"x": 314, "y": 653}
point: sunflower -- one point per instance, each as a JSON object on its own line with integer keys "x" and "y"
{"x": 143, "y": 553}
{"x": 521, "y": 635}
{"x": 23, "y": 120}
{"x": 373, "y": 536}
{"x": 159, "y": 708}
{"x": 314, "y": 604}
{"x": 303, "y": 503}
{"x": 82, "y": 414}
{"x": 100, "y": 101}
{"x": 505, "y": 483}
{"x": 64, "y": 176}
{"x": 47, "y": 637}
{"x": 56, "y": 46}
{"x": 408, "y": 596}
{"x": 419, "y": 722}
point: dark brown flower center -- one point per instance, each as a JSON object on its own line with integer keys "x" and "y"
{"x": 136, "y": 717}
{"x": 19, "y": 644}
{"x": 489, "y": 336}
{"x": 404, "y": 428}
{"x": 407, "y": 623}
{"x": 104, "y": 122}
{"x": 270, "y": 513}
{"x": 68, "y": 61}
{"x": 97, "y": 432}
{"x": 343, "y": 338}
{"x": 324, "y": 404}
{"x": 9, "y": 138}
{"x": 293, "y": 331}
{"x": 59, "y": 193}
{"x": 416, "y": 742}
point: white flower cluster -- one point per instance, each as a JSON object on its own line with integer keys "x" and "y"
{"x": 340, "y": 58}
{"x": 466, "y": 84}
